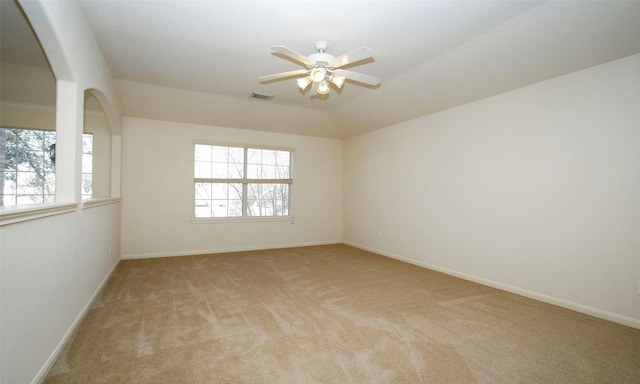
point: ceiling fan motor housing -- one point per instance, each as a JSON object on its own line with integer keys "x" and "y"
{"x": 321, "y": 59}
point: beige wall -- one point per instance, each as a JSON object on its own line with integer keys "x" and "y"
{"x": 157, "y": 192}
{"x": 27, "y": 84}
{"x": 535, "y": 190}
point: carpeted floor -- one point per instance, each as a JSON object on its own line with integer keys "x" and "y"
{"x": 331, "y": 314}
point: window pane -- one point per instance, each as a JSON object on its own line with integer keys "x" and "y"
{"x": 219, "y": 162}
{"x": 9, "y": 183}
{"x": 29, "y": 199}
{"x": 219, "y": 154}
{"x": 236, "y": 171}
{"x": 202, "y": 169}
{"x": 8, "y": 200}
{"x": 86, "y": 185}
{"x": 219, "y": 208}
{"x": 253, "y": 156}
{"x": 267, "y": 199}
{"x": 87, "y": 163}
{"x": 203, "y": 152}
{"x": 220, "y": 170}
{"x": 203, "y": 191}
{"x": 30, "y": 161}
{"x": 235, "y": 191}
{"x": 218, "y": 199}
{"x": 236, "y": 160}
{"x": 87, "y": 143}
{"x": 202, "y": 208}
{"x": 49, "y": 139}
{"x": 29, "y": 172}
{"x": 219, "y": 191}
{"x": 253, "y": 170}
{"x": 268, "y": 164}
{"x": 28, "y": 179}
{"x": 270, "y": 172}
{"x": 235, "y": 208}
{"x": 50, "y": 183}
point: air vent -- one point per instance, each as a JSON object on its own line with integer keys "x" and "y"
{"x": 262, "y": 96}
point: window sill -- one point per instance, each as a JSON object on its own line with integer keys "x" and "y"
{"x": 228, "y": 220}
{"x": 97, "y": 202}
{"x": 19, "y": 213}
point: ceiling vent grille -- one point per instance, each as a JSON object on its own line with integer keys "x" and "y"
{"x": 262, "y": 96}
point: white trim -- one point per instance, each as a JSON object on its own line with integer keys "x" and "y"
{"x": 92, "y": 203}
{"x": 19, "y": 213}
{"x": 44, "y": 371}
{"x": 242, "y": 181}
{"x": 595, "y": 312}
{"x": 226, "y": 250}
{"x": 241, "y": 219}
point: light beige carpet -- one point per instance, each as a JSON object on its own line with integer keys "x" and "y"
{"x": 331, "y": 314}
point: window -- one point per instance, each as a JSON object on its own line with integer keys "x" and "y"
{"x": 27, "y": 166}
{"x": 87, "y": 166}
{"x": 232, "y": 181}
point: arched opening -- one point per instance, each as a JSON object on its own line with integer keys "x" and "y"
{"x": 96, "y": 149}
{"x": 28, "y": 116}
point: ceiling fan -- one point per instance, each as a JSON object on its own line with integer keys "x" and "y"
{"x": 323, "y": 68}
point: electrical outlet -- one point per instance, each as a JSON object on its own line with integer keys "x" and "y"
{"x": 380, "y": 235}
{"x": 110, "y": 249}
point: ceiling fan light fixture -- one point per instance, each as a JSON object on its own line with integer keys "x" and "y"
{"x": 323, "y": 88}
{"x": 338, "y": 81}
{"x": 304, "y": 82}
{"x": 323, "y": 69}
{"x": 318, "y": 74}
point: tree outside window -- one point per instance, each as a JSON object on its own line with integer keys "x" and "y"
{"x": 27, "y": 166}
{"x": 241, "y": 181}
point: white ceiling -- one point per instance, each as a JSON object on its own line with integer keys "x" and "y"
{"x": 199, "y": 61}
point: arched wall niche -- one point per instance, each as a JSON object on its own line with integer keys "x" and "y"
{"x": 97, "y": 149}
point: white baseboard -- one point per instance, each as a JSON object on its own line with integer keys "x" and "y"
{"x": 595, "y": 312}
{"x": 225, "y": 250}
{"x": 42, "y": 374}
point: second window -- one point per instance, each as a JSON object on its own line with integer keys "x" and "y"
{"x": 238, "y": 181}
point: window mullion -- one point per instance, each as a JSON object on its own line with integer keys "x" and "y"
{"x": 289, "y": 189}
{"x": 245, "y": 203}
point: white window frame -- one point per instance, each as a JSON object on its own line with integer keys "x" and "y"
{"x": 245, "y": 182}
{"x": 46, "y": 152}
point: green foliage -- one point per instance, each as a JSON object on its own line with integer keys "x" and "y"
{"x": 27, "y": 166}
{"x": 28, "y": 172}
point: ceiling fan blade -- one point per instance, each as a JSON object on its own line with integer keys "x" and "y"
{"x": 294, "y": 55}
{"x": 351, "y": 57}
{"x": 356, "y": 76}
{"x": 283, "y": 75}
